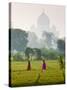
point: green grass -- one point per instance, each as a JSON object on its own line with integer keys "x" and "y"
{"x": 21, "y": 77}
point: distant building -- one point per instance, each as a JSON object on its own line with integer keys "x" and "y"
{"x": 43, "y": 22}
{"x": 46, "y": 37}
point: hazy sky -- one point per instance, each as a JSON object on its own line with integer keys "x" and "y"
{"x": 23, "y": 16}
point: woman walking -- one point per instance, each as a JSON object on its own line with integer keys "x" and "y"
{"x": 44, "y": 65}
{"x": 29, "y": 65}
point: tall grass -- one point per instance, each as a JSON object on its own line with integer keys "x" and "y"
{"x": 21, "y": 77}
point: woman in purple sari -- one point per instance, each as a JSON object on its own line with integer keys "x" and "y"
{"x": 44, "y": 65}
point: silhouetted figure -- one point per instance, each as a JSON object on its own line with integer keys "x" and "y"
{"x": 29, "y": 65}
{"x": 61, "y": 62}
{"x": 62, "y": 66}
{"x": 44, "y": 65}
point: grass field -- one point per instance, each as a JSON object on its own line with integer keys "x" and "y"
{"x": 21, "y": 77}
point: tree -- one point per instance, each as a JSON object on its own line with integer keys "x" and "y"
{"x": 17, "y": 56}
{"x": 61, "y": 46}
{"x": 38, "y": 53}
{"x": 49, "y": 53}
{"x": 18, "y": 39}
{"x": 62, "y": 65}
{"x": 28, "y": 53}
{"x": 29, "y": 65}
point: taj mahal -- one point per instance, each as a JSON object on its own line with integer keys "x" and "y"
{"x": 42, "y": 35}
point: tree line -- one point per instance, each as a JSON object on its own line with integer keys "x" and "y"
{"x": 19, "y": 40}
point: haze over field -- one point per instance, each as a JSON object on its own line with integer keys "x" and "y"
{"x": 44, "y": 24}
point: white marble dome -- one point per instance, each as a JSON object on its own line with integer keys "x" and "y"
{"x": 43, "y": 20}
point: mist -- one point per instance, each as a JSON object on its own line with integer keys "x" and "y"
{"x": 42, "y": 35}
{"x": 44, "y": 25}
